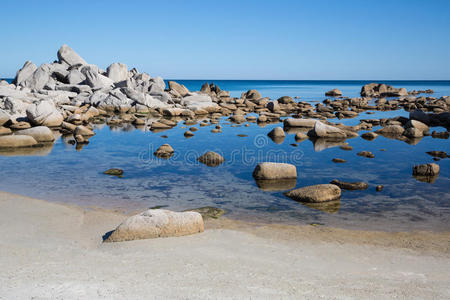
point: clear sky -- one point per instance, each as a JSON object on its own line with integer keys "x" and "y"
{"x": 316, "y": 39}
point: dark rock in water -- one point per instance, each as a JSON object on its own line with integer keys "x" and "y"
{"x": 276, "y": 184}
{"x": 367, "y": 154}
{"x": 114, "y": 172}
{"x": 277, "y": 132}
{"x": 346, "y": 147}
{"x": 440, "y": 154}
{"x": 294, "y": 145}
{"x": 193, "y": 129}
{"x": 164, "y": 151}
{"x": 369, "y": 135}
{"x": 379, "y": 188}
{"x": 209, "y": 212}
{"x": 315, "y": 193}
{"x": 339, "y": 160}
{"x": 188, "y": 134}
{"x": 440, "y": 135}
{"x": 334, "y": 93}
{"x": 436, "y": 159}
{"x": 426, "y": 170}
{"x": 211, "y": 159}
{"x": 350, "y": 185}
{"x": 382, "y": 90}
{"x": 242, "y": 135}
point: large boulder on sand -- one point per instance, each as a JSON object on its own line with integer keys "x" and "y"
{"x": 272, "y": 170}
{"x": 41, "y": 134}
{"x": 16, "y": 141}
{"x": 70, "y": 57}
{"x": 155, "y": 223}
{"x": 44, "y": 113}
{"x": 315, "y": 193}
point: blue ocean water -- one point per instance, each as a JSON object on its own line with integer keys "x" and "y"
{"x": 64, "y": 174}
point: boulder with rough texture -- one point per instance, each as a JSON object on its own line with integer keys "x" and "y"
{"x": 70, "y": 57}
{"x": 272, "y": 170}
{"x": 391, "y": 130}
{"x": 322, "y": 130}
{"x": 44, "y": 113}
{"x": 277, "y": 132}
{"x": 164, "y": 151}
{"x": 382, "y": 90}
{"x": 211, "y": 159}
{"x": 426, "y": 170}
{"x": 41, "y": 134}
{"x": 350, "y": 185}
{"x": 307, "y": 123}
{"x": 251, "y": 95}
{"x": 316, "y": 193}
{"x": 83, "y": 131}
{"x": 4, "y": 117}
{"x": 179, "y": 88}
{"x": 23, "y": 74}
{"x": 17, "y": 141}
{"x": 96, "y": 80}
{"x": 334, "y": 93}
{"x": 117, "y": 72}
{"x": 155, "y": 223}
{"x": 417, "y": 125}
{"x": 38, "y": 80}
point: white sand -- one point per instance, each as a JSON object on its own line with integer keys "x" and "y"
{"x": 53, "y": 251}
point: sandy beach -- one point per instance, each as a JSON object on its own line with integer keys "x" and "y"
{"x": 49, "y": 250}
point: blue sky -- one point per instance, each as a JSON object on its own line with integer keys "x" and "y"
{"x": 359, "y": 39}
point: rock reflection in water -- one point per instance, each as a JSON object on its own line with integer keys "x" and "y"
{"x": 276, "y": 184}
{"x": 40, "y": 150}
{"x": 321, "y": 144}
{"x": 328, "y": 207}
{"x": 427, "y": 179}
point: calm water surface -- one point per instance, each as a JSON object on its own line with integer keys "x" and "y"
{"x": 63, "y": 174}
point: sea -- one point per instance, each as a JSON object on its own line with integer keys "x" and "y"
{"x": 62, "y": 173}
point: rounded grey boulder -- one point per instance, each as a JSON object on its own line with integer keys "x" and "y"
{"x": 154, "y": 223}
{"x": 272, "y": 170}
{"x": 16, "y": 141}
{"x": 41, "y": 134}
{"x": 315, "y": 193}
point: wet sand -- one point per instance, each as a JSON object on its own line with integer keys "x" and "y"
{"x": 49, "y": 250}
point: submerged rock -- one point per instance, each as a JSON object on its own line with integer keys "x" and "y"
{"x": 272, "y": 170}
{"x": 440, "y": 154}
{"x": 276, "y": 184}
{"x": 367, "y": 154}
{"x": 114, "y": 172}
{"x": 350, "y": 185}
{"x": 211, "y": 159}
{"x": 155, "y": 223}
{"x": 339, "y": 160}
{"x": 209, "y": 212}
{"x": 379, "y": 188}
{"x": 315, "y": 193}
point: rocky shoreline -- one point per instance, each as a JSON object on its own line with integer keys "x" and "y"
{"x": 69, "y": 96}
